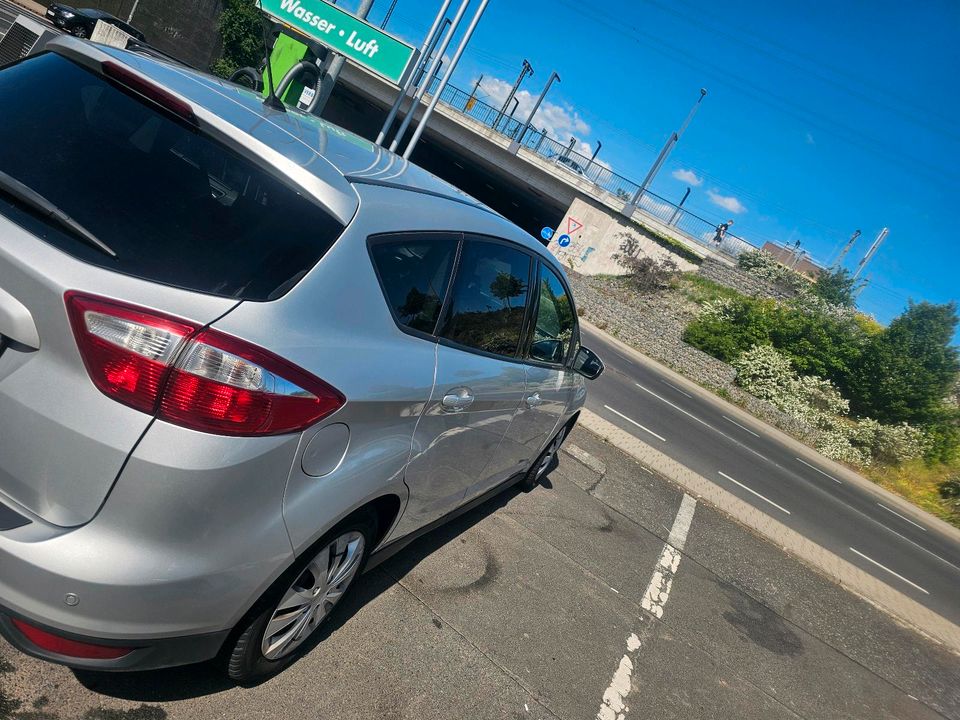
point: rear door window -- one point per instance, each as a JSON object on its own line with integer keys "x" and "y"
{"x": 488, "y": 302}
{"x": 177, "y": 207}
{"x": 553, "y": 328}
{"x": 414, "y": 272}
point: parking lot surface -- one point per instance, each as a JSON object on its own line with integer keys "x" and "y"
{"x": 606, "y": 593}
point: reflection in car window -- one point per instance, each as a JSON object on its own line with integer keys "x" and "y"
{"x": 415, "y": 272}
{"x": 489, "y": 298}
{"x": 554, "y": 326}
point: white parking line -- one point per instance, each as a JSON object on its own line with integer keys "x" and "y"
{"x": 740, "y": 426}
{"x": 820, "y": 471}
{"x": 613, "y": 705}
{"x": 645, "y": 429}
{"x": 751, "y": 490}
{"x": 884, "y": 567}
{"x": 902, "y": 517}
{"x": 676, "y": 388}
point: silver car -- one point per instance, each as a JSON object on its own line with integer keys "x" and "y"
{"x": 244, "y": 355}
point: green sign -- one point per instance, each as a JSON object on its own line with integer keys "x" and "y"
{"x": 346, "y": 34}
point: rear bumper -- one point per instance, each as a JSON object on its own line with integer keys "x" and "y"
{"x": 150, "y": 654}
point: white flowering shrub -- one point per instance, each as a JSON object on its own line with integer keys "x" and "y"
{"x": 764, "y": 266}
{"x": 767, "y": 374}
{"x": 806, "y": 301}
{"x": 719, "y": 309}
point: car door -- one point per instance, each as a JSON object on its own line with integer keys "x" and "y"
{"x": 480, "y": 380}
{"x": 551, "y": 383}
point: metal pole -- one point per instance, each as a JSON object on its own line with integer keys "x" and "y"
{"x": 527, "y": 67}
{"x": 871, "y": 252}
{"x": 515, "y": 146}
{"x": 132, "y": 11}
{"x": 846, "y": 249}
{"x": 329, "y": 80}
{"x": 446, "y": 77}
{"x": 596, "y": 152}
{"x": 476, "y": 87}
{"x": 676, "y": 213}
{"x": 424, "y": 54}
{"x": 386, "y": 18}
{"x": 664, "y": 153}
{"x": 428, "y": 57}
{"x": 423, "y": 87}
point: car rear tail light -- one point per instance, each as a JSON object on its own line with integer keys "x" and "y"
{"x": 64, "y": 646}
{"x": 201, "y": 379}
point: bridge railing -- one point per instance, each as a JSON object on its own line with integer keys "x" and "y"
{"x": 578, "y": 165}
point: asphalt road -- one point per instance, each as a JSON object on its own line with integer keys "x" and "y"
{"x": 908, "y": 554}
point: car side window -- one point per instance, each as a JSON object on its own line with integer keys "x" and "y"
{"x": 414, "y": 272}
{"x": 554, "y": 326}
{"x": 489, "y": 298}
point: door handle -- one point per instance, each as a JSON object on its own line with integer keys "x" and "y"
{"x": 457, "y": 400}
{"x": 534, "y": 400}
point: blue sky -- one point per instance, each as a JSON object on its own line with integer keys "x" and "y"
{"x": 820, "y": 119}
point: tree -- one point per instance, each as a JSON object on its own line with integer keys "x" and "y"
{"x": 507, "y": 286}
{"x": 906, "y": 372}
{"x": 837, "y": 287}
{"x": 241, "y": 30}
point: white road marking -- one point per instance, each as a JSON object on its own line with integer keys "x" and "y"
{"x": 586, "y": 458}
{"x": 902, "y": 517}
{"x": 676, "y": 388}
{"x": 675, "y": 407}
{"x": 919, "y": 546}
{"x": 884, "y": 567}
{"x": 751, "y": 490}
{"x": 812, "y": 467}
{"x": 613, "y": 705}
{"x": 740, "y": 426}
{"x": 646, "y": 429}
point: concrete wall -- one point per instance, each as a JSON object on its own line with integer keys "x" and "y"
{"x": 186, "y": 29}
{"x": 593, "y": 244}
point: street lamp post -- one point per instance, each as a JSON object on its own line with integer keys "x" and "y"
{"x": 515, "y": 145}
{"x": 674, "y": 138}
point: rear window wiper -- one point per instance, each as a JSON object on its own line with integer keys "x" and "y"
{"x": 35, "y": 201}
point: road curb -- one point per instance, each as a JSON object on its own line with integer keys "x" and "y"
{"x": 804, "y": 452}
{"x": 849, "y": 576}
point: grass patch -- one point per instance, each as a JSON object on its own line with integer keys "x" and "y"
{"x": 700, "y": 289}
{"x": 672, "y": 245}
{"x": 919, "y": 483}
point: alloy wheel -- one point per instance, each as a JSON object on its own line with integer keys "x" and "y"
{"x": 311, "y": 597}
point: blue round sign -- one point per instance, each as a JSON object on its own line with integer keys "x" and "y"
{"x": 547, "y": 233}
{"x": 563, "y": 241}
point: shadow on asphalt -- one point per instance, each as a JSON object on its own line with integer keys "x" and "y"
{"x": 192, "y": 681}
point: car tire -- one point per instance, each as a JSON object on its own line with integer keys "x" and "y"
{"x": 81, "y": 32}
{"x": 539, "y": 469}
{"x": 251, "y": 655}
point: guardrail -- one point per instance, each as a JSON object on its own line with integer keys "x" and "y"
{"x": 565, "y": 157}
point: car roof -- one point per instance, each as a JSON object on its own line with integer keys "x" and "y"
{"x": 355, "y": 159}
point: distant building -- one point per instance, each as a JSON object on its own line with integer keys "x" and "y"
{"x": 787, "y": 257}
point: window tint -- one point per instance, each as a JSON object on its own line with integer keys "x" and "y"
{"x": 414, "y": 272}
{"x": 553, "y": 329}
{"x": 177, "y": 207}
{"x": 489, "y": 298}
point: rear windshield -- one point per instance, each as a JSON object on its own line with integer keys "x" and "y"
{"x": 177, "y": 207}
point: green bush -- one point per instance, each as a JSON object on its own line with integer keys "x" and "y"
{"x": 241, "y": 30}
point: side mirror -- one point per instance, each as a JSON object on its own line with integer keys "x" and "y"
{"x": 588, "y": 364}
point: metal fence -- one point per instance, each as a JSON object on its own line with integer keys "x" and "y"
{"x": 568, "y": 159}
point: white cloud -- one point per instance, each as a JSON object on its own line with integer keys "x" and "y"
{"x": 560, "y": 121}
{"x": 688, "y": 176}
{"x": 809, "y": 138}
{"x": 727, "y": 202}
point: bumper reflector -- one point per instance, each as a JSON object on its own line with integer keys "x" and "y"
{"x": 71, "y": 648}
